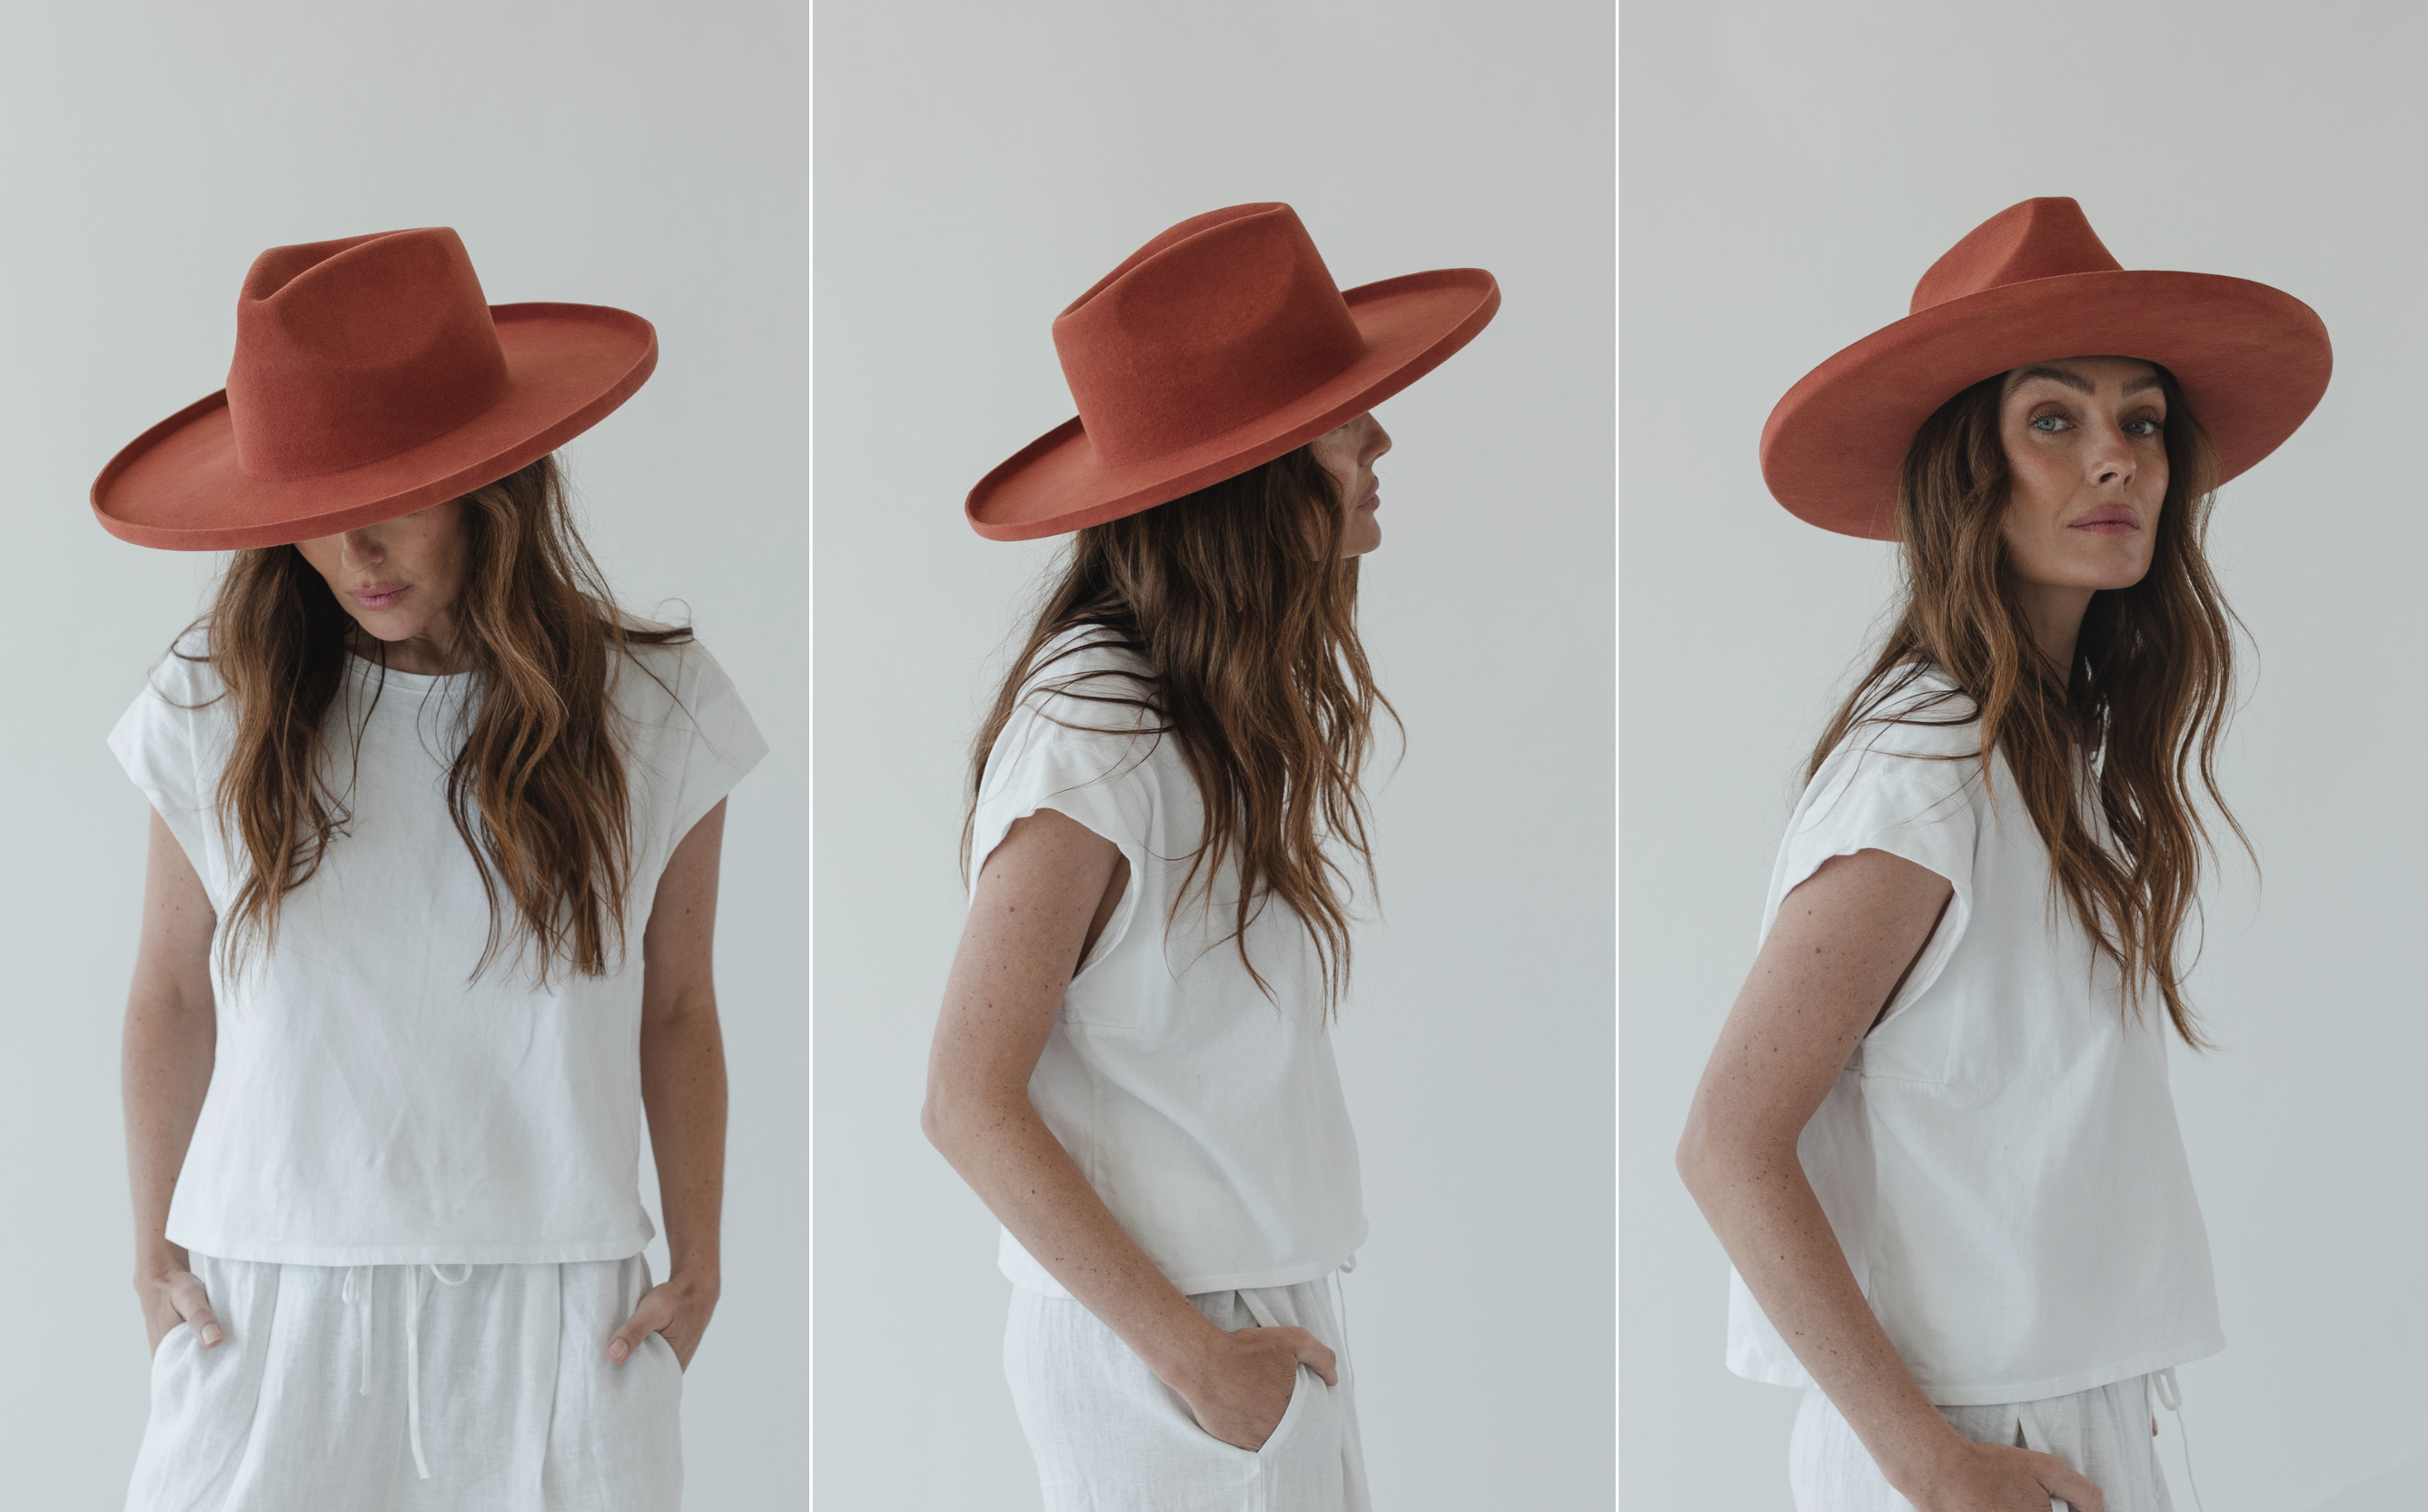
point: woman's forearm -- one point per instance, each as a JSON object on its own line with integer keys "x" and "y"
{"x": 1759, "y": 1201}
{"x": 683, "y": 1090}
{"x": 1003, "y": 1149}
{"x": 164, "y": 1069}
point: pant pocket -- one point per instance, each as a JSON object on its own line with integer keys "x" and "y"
{"x": 1307, "y": 1390}
{"x": 179, "y": 1334}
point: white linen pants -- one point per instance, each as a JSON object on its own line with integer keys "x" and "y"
{"x": 2104, "y": 1432}
{"x": 333, "y": 1387}
{"x": 1109, "y": 1437}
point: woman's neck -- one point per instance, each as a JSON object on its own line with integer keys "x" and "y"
{"x": 423, "y": 655}
{"x": 2055, "y": 614}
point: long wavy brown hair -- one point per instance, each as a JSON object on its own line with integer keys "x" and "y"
{"x": 536, "y": 787}
{"x": 2140, "y": 709}
{"x": 1238, "y": 601}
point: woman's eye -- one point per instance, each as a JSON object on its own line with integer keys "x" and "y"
{"x": 2141, "y": 428}
{"x": 2048, "y": 422}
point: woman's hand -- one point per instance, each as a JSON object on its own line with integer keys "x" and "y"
{"x": 679, "y": 1308}
{"x": 2001, "y": 1478}
{"x": 1241, "y": 1387}
{"x": 171, "y": 1294}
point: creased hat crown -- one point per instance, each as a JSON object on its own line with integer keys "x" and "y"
{"x": 1224, "y": 318}
{"x": 354, "y": 350}
{"x": 2039, "y": 238}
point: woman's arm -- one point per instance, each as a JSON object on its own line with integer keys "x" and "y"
{"x": 1840, "y": 948}
{"x": 683, "y": 1090}
{"x": 1042, "y": 899}
{"x": 164, "y": 1068}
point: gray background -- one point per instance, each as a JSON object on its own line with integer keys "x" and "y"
{"x": 978, "y": 167}
{"x": 646, "y": 157}
{"x": 1789, "y": 171}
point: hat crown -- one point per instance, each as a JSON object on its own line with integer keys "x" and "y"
{"x": 1217, "y": 322}
{"x": 2039, "y": 238}
{"x": 351, "y": 351}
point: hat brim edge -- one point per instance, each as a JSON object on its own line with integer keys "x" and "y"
{"x": 2253, "y": 383}
{"x": 456, "y": 482}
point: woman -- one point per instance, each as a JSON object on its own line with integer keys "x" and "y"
{"x": 427, "y": 921}
{"x": 1131, "y": 1066}
{"x": 1936, "y": 1136}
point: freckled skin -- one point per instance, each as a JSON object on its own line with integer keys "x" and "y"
{"x": 2086, "y": 454}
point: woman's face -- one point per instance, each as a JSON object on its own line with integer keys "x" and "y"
{"x": 1349, "y": 452}
{"x": 399, "y": 579}
{"x": 2087, "y": 453}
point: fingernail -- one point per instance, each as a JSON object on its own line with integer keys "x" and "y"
{"x": 616, "y": 1350}
{"x": 210, "y": 1334}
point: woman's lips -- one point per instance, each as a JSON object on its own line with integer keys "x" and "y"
{"x": 379, "y": 596}
{"x": 1374, "y": 501}
{"x": 2116, "y": 521}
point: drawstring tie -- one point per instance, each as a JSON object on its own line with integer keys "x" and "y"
{"x": 1340, "y": 1314}
{"x": 357, "y": 1294}
{"x": 2171, "y": 1396}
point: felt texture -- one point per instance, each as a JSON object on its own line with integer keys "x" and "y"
{"x": 2034, "y": 283}
{"x": 1219, "y": 344}
{"x": 372, "y": 379}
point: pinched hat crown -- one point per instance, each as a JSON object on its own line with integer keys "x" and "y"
{"x": 2038, "y": 239}
{"x": 1223, "y": 317}
{"x": 349, "y": 351}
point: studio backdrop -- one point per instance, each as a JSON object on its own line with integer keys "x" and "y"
{"x": 1787, "y": 173}
{"x": 639, "y": 156}
{"x": 978, "y": 167}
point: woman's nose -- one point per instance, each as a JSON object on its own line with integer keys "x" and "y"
{"x": 2111, "y": 458}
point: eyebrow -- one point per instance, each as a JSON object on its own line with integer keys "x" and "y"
{"x": 2082, "y": 386}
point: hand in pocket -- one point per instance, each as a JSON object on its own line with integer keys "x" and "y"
{"x": 1242, "y": 1387}
{"x": 174, "y": 1295}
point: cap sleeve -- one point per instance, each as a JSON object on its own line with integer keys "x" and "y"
{"x": 167, "y": 741}
{"x": 709, "y": 744}
{"x": 1912, "y": 790}
{"x": 1068, "y": 749}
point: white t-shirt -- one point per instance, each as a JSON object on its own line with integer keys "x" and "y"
{"x": 370, "y": 1104}
{"x": 1206, "y": 1115}
{"x": 1999, "y": 1159}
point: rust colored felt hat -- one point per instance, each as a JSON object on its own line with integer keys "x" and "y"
{"x": 2033, "y": 283}
{"x": 372, "y": 379}
{"x": 1221, "y": 344}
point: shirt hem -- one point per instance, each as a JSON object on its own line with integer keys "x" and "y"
{"x": 1044, "y": 1284}
{"x": 1980, "y": 1394}
{"x": 426, "y": 1254}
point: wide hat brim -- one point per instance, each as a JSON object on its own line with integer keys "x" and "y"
{"x": 2252, "y": 361}
{"x": 178, "y": 485}
{"x": 1411, "y": 325}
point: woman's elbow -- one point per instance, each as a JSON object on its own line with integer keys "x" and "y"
{"x": 935, "y": 1120}
{"x": 1700, "y": 1153}
{"x": 946, "y": 1117}
{"x": 1688, "y": 1157}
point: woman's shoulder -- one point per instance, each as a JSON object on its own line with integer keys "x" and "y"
{"x": 1913, "y": 710}
{"x": 184, "y": 676}
{"x": 666, "y": 679}
{"x": 1090, "y": 669}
